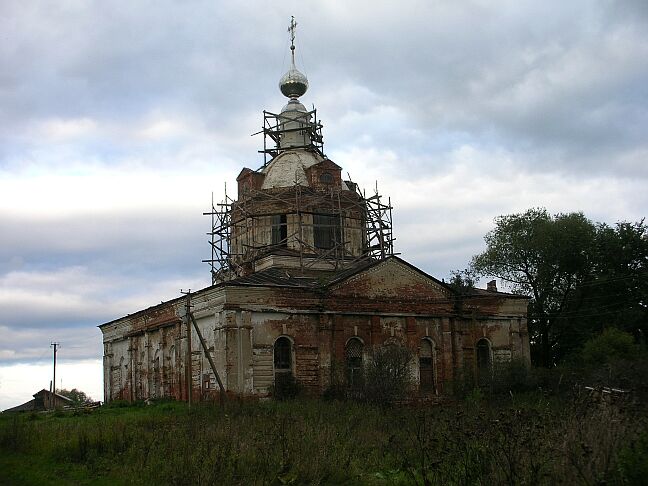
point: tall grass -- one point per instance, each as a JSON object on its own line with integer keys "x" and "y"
{"x": 534, "y": 439}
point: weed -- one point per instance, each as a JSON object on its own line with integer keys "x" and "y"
{"x": 533, "y": 439}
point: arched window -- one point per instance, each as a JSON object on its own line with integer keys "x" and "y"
{"x": 172, "y": 358}
{"x": 326, "y": 178}
{"x": 120, "y": 378}
{"x": 157, "y": 378}
{"x": 283, "y": 354}
{"x": 171, "y": 373}
{"x": 282, "y": 365}
{"x": 353, "y": 355}
{"x": 426, "y": 366}
{"x": 484, "y": 359}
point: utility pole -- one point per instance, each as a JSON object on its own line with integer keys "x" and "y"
{"x": 188, "y": 362}
{"x": 191, "y": 319}
{"x": 55, "y": 346}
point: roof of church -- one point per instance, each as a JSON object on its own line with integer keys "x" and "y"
{"x": 274, "y": 277}
{"x": 475, "y": 292}
{"x": 281, "y": 277}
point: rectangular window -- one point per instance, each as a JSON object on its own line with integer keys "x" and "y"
{"x": 279, "y": 230}
{"x": 326, "y": 231}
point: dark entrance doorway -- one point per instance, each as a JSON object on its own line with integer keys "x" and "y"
{"x": 282, "y": 364}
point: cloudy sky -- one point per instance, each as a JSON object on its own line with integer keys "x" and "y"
{"x": 119, "y": 119}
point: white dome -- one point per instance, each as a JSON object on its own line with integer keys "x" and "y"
{"x": 288, "y": 168}
{"x": 294, "y": 105}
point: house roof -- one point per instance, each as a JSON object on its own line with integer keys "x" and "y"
{"x": 45, "y": 392}
{"x": 37, "y": 402}
{"x": 475, "y": 292}
{"x": 23, "y": 407}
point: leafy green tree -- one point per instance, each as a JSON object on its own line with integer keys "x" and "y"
{"x": 543, "y": 256}
{"x": 582, "y": 277}
{"x": 616, "y": 293}
{"x": 77, "y": 396}
{"x": 612, "y": 344}
{"x": 463, "y": 281}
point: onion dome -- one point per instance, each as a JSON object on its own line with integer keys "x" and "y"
{"x": 293, "y": 84}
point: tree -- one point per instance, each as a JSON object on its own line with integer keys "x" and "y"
{"x": 615, "y": 294}
{"x": 582, "y": 277}
{"x": 612, "y": 344}
{"x": 463, "y": 281}
{"x": 543, "y": 256}
{"x": 77, "y": 396}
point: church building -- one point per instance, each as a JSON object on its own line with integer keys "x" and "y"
{"x": 305, "y": 287}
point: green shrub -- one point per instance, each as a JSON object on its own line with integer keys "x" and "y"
{"x": 633, "y": 460}
{"x": 285, "y": 387}
{"x": 338, "y": 388}
{"x": 513, "y": 376}
{"x": 118, "y": 404}
{"x": 611, "y": 345}
{"x": 387, "y": 375}
{"x": 474, "y": 398}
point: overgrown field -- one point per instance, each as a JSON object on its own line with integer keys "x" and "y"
{"x": 526, "y": 439}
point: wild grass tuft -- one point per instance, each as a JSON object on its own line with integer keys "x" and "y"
{"x": 528, "y": 439}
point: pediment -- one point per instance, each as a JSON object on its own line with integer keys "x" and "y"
{"x": 244, "y": 172}
{"x": 327, "y": 164}
{"x": 392, "y": 278}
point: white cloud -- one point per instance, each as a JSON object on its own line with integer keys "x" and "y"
{"x": 57, "y": 128}
{"x": 96, "y": 191}
{"x": 440, "y": 219}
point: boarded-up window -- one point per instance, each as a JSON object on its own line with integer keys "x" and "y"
{"x": 484, "y": 359}
{"x": 353, "y": 352}
{"x": 157, "y": 377}
{"x": 426, "y": 366}
{"x": 279, "y": 230}
{"x": 263, "y": 368}
{"x": 171, "y": 372}
{"x": 326, "y": 230}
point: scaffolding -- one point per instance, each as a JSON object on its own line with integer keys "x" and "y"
{"x": 241, "y": 230}
{"x": 274, "y": 128}
{"x": 287, "y": 221}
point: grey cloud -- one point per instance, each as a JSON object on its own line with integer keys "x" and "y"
{"x": 33, "y": 345}
{"x": 78, "y": 297}
{"x": 457, "y": 71}
{"x": 560, "y": 82}
{"x": 525, "y": 97}
{"x": 150, "y": 245}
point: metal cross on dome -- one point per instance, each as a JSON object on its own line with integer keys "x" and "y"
{"x": 291, "y": 30}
